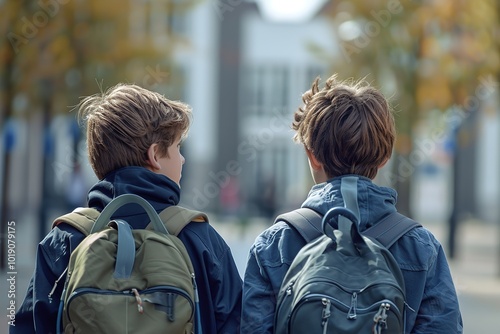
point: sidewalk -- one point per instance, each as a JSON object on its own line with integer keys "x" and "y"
{"x": 476, "y": 268}
{"x": 476, "y": 272}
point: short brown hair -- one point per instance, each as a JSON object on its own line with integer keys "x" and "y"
{"x": 348, "y": 127}
{"x": 124, "y": 121}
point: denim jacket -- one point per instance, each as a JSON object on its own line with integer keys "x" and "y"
{"x": 431, "y": 299}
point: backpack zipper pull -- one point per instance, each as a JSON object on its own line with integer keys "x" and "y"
{"x": 195, "y": 288}
{"x": 197, "y": 317}
{"x": 380, "y": 318}
{"x": 170, "y": 307}
{"x": 354, "y": 304}
{"x": 138, "y": 299}
{"x": 326, "y": 313}
{"x": 54, "y": 287}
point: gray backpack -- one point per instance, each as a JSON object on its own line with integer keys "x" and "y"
{"x": 343, "y": 281}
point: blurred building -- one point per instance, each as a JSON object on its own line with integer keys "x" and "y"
{"x": 245, "y": 80}
{"x": 244, "y": 76}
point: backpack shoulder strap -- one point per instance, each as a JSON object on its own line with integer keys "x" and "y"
{"x": 81, "y": 218}
{"x": 306, "y": 221}
{"x": 176, "y": 217}
{"x": 391, "y": 228}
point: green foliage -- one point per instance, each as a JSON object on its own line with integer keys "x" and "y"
{"x": 426, "y": 55}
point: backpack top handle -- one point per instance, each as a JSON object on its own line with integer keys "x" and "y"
{"x": 105, "y": 216}
{"x": 343, "y": 230}
{"x": 332, "y": 218}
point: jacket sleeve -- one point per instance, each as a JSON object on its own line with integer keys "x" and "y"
{"x": 217, "y": 278}
{"x": 439, "y": 310}
{"x": 259, "y": 300}
{"x": 269, "y": 260}
{"x": 227, "y": 301}
{"x": 38, "y": 312}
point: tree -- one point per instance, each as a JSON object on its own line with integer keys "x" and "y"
{"x": 427, "y": 55}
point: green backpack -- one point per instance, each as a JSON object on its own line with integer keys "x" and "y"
{"x": 121, "y": 280}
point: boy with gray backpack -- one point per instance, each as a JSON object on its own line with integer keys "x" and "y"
{"x": 133, "y": 261}
{"x": 315, "y": 270}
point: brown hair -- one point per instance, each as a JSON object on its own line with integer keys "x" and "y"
{"x": 348, "y": 127}
{"x": 124, "y": 121}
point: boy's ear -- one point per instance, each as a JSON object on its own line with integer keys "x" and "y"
{"x": 152, "y": 157}
{"x": 315, "y": 164}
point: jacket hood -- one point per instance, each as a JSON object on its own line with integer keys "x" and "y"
{"x": 157, "y": 189}
{"x": 369, "y": 202}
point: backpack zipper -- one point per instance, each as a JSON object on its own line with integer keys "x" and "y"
{"x": 352, "y": 310}
{"x": 350, "y": 290}
{"x": 136, "y": 294}
{"x": 289, "y": 290}
{"x": 380, "y": 318}
{"x": 383, "y": 283}
{"x": 384, "y": 306}
{"x": 326, "y": 313}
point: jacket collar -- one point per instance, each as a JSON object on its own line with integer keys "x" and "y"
{"x": 157, "y": 189}
{"x": 367, "y": 200}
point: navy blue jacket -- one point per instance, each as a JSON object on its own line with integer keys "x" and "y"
{"x": 219, "y": 283}
{"x": 432, "y": 303}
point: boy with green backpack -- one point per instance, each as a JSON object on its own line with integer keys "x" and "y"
{"x": 134, "y": 137}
